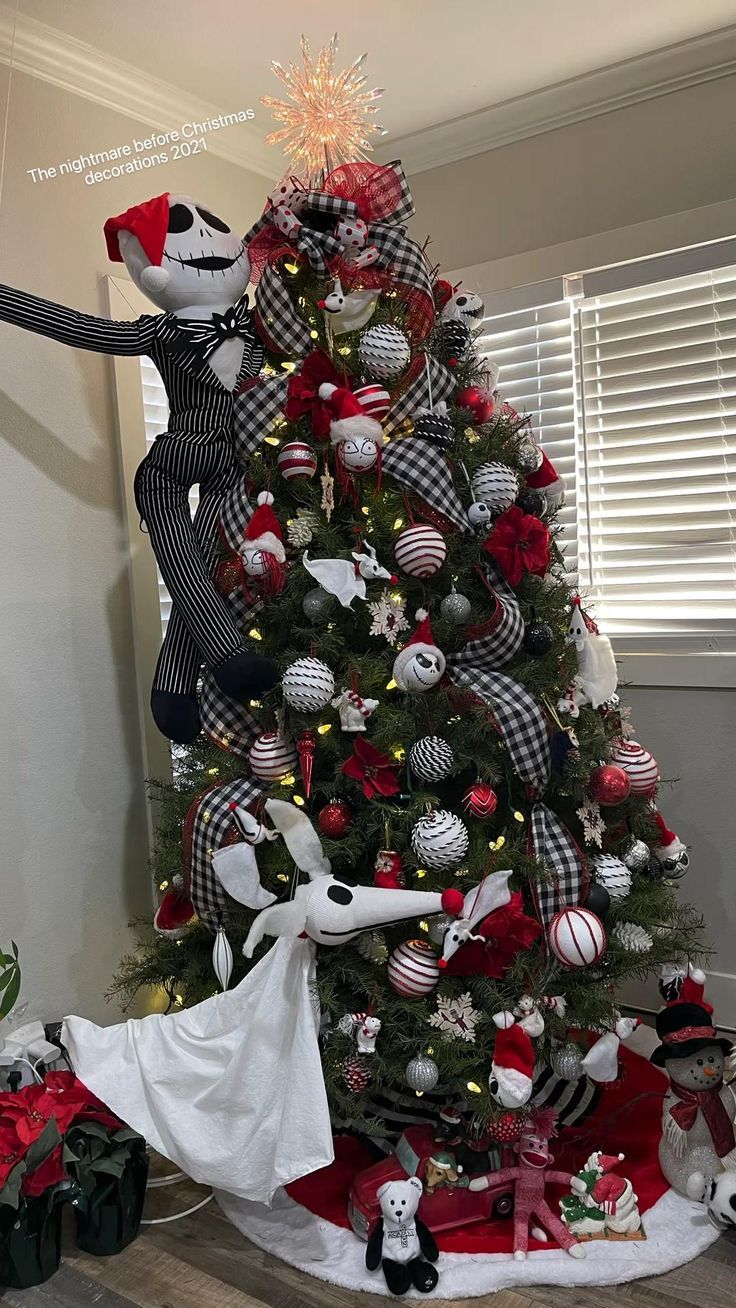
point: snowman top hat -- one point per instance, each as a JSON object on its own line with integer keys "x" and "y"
{"x": 684, "y": 1029}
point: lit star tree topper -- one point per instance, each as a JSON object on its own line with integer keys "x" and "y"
{"x": 328, "y": 117}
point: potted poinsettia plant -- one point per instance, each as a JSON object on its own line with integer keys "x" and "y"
{"x": 109, "y": 1167}
{"x": 32, "y": 1177}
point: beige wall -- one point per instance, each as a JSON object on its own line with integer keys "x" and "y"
{"x": 74, "y": 843}
{"x": 650, "y": 178}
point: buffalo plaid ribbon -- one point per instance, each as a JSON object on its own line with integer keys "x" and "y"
{"x": 553, "y": 846}
{"x": 277, "y": 316}
{"x": 519, "y": 720}
{"x": 431, "y": 383}
{"x": 227, "y": 722}
{"x": 419, "y": 466}
{"x": 499, "y": 639}
{"x": 254, "y": 412}
{"x": 206, "y": 826}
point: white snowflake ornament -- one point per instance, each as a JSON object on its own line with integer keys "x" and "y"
{"x": 389, "y": 617}
{"x": 593, "y": 824}
{"x": 455, "y": 1017}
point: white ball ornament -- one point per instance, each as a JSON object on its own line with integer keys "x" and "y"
{"x": 576, "y": 937}
{"x": 359, "y": 453}
{"x": 431, "y": 758}
{"x": 296, "y": 459}
{"x": 422, "y": 1073}
{"x": 639, "y": 765}
{"x": 308, "y": 685}
{"x": 420, "y": 551}
{"x": 440, "y": 840}
{"x": 413, "y": 969}
{"x": 384, "y": 352}
{"x": 614, "y": 875}
{"x": 495, "y": 485}
{"x": 272, "y": 756}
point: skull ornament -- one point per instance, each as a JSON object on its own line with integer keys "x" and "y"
{"x": 420, "y": 665}
{"x": 203, "y": 261}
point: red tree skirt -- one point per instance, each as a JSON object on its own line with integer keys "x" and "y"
{"x": 309, "y": 1228}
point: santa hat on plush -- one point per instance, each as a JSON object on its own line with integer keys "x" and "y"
{"x": 420, "y": 642}
{"x": 262, "y": 551}
{"x": 547, "y": 479}
{"x": 512, "y": 1068}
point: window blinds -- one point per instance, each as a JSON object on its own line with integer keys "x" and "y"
{"x": 657, "y": 455}
{"x": 156, "y": 418}
{"x": 533, "y": 347}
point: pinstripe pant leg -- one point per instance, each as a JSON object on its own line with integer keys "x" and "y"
{"x": 185, "y": 562}
{"x": 179, "y": 662}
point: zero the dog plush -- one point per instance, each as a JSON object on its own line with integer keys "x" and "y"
{"x": 191, "y": 265}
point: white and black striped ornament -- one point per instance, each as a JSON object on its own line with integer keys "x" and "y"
{"x": 435, "y": 428}
{"x": 374, "y": 399}
{"x": 440, "y": 840}
{"x": 495, "y": 485}
{"x": 420, "y": 550}
{"x": 272, "y": 756}
{"x": 614, "y": 875}
{"x": 384, "y": 352}
{"x": 639, "y": 765}
{"x": 431, "y": 758}
{"x": 413, "y": 969}
{"x": 308, "y": 685}
{"x": 297, "y": 459}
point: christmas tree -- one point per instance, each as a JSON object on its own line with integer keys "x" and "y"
{"x": 448, "y": 717}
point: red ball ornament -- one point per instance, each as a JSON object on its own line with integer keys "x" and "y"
{"x": 479, "y": 403}
{"x": 389, "y": 870}
{"x": 297, "y": 459}
{"x": 480, "y": 799}
{"x": 335, "y": 819}
{"x": 508, "y": 1129}
{"x": 609, "y": 784}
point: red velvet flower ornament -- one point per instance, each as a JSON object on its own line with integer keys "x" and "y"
{"x": 507, "y": 931}
{"x": 375, "y": 771}
{"x": 519, "y": 543}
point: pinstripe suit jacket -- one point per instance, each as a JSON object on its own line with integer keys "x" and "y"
{"x": 199, "y": 403}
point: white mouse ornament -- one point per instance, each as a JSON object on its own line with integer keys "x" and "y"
{"x": 192, "y": 266}
{"x": 346, "y": 580}
{"x": 420, "y": 665}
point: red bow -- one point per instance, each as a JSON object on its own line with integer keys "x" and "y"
{"x": 303, "y": 392}
{"x": 519, "y": 543}
{"x": 714, "y": 1111}
{"x": 375, "y": 189}
{"x": 507, "y": 930}
{"x": 375, "y": 771}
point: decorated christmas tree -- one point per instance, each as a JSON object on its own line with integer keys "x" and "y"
{"x": 447, "y": 720}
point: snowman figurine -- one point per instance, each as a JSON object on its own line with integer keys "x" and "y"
{"x": 699, "y": 1110}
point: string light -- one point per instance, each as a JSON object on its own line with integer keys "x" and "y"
{"x": 399, "y": 753}
{"x": 287, "y": 781}
{"x": 391, "y": 685}
{"x": 314, "y": 336}
{"x": 273, "y": 440}
{"x": 281, "y": 876}
{"x": 291, "y": 268}
{"x": 324, "y": 728}
{"x": 328, "y": 116}
{"x": 255, "y": 634}
{"x": 213, "y": 772}
{"x": 474, "y": 1088}
{"x": 255, "y": 703}
{"x": 519, "y": 816}
{"x": 164, "y": 885}
{"x": 298, "y": 800}
{"x": 421, "y": 872}
{"x": 398, "y": 524}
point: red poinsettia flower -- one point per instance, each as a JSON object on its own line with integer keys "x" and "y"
{"x": 507, "y": 931}
{"x": 51, "y": 1172}
{"x": 12, "y": 1150}
{"x": 375, "y": 771}
{"x": 519, "y": 543}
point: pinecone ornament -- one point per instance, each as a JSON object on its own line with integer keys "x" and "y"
{"x": 371, "y": 945}
{"x": 356, "y": 1074}
{"x": 455, "y": 341}
{"x": 633, "y": 938}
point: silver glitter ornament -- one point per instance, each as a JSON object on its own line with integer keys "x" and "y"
{"x": 317, "y": 604}
{"x": 567, "y": 1062}
{"x": 529, "y": 457}
{"x": 636, "y": 856}
{"x": 422, "y": 1073}
{"x": 455, "y": 607}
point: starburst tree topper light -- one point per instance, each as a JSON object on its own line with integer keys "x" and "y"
{"x": 328, "y": 116}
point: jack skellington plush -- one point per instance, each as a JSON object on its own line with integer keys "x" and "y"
{"x": 193, "y": 267}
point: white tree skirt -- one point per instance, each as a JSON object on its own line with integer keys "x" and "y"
{"x": 677, "y": 1231}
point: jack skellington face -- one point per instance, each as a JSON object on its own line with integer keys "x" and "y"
{"x": 204, "y": 263}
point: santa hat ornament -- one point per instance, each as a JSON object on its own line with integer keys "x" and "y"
{"x": 512, "y": 1069}
{"x": 671, "y": 854}
{"x": 420, "y": 665}
{"x": 262, "y": 551}
{"x": 356, "y": 436}
{"x": 547, "y": 479}
{"x": 175, "y": 913}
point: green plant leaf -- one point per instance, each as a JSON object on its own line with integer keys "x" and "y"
{"x": 108, "y": 1165}
{"x": 12, "y": 990}
{"x": 10, "y": 1192}
{"x": 39, "y": 1151}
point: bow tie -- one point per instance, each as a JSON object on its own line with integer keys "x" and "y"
{"x": 204, "y": 336}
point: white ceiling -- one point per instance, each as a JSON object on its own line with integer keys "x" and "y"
{"x": 438, "y": 60}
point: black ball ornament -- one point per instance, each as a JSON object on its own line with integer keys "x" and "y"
{"x": 455, "y": 339}
{"x": 435, "y": 428}
{"x": 538, "y": 638}
{"x": 598, "y": 900}
{"x": 532, "y": 501}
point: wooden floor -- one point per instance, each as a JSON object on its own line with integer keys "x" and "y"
{"x": 203, "y": 1262}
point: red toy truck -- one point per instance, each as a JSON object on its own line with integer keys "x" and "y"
{"x": 448, "y": 1203}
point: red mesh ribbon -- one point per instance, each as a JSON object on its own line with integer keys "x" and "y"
{"x": 376, "y": 190}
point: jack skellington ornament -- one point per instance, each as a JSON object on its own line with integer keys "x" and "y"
{"x": 193, "y": 267}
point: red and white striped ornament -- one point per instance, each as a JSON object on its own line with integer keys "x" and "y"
{"x": 297, "y": 459}
{"x": 374, "y": 399}
{"x": 420, "y": 550}
{"x": 272, "y": 756}
{"x": 413, "y": 969}
{"x": 639, "y": 765}
{"x": 576, "y": 937}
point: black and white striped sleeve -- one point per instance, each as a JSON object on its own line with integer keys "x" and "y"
{"x": 70, "y": 327}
